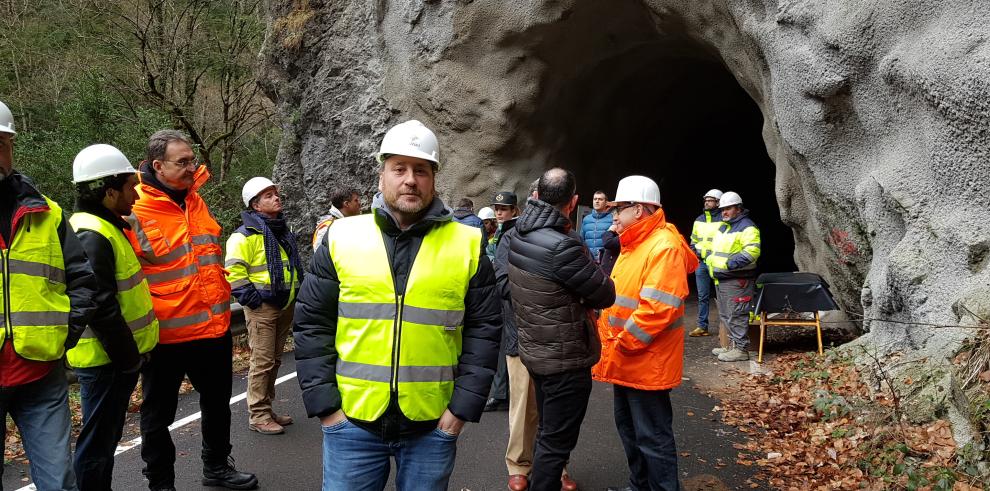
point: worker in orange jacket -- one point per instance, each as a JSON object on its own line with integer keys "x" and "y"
{"x": 178, "y": 244}
{"x": 642, "y": 334}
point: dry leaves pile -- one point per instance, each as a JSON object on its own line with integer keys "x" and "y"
{"x": 812, "y": 424}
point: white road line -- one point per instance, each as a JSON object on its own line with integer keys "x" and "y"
{"x": 123, "y": 447}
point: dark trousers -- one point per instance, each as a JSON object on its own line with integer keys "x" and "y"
{"x": 562, "y": 400}
{"x": 105, "y": 395}
{"x": 645, "y": 423}
{"x": 207, "y": 363}
{"x": 500, "y": 384}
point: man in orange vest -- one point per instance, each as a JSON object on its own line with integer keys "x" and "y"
{"x": 642, "y": 334}
{"x": 178, "y": 243}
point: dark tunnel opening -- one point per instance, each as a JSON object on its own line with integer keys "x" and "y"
{"x": 669, "y": 110}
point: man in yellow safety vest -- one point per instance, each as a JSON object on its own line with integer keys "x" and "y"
{"x": 46, "y": 300}
{"x": 124, "y": 328}
{"x": 397, "y": 328}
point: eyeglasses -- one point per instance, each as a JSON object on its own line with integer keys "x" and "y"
{"x": 619, "y": 208}
{"x": 185, "y": 163}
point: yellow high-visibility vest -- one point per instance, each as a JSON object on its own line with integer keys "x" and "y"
{"x": 133, "y": 296}
{"x": 35, "y": 310}
{"x": 703, "y": 232}
{"x": 247, "y": 263}
{"x": 404, "y": 342}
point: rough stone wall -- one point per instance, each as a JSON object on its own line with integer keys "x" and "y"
{"x": 877, "y": 116}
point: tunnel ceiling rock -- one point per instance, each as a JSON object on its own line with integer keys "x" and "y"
{"x": 876, "y": 117}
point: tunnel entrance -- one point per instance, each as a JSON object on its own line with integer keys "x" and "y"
{"x": 630, "y": 99}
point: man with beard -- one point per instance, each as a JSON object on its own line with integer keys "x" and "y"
{"x": 113, "y": 346}
{"x": 397, "y": 328}
{"x": 704, "y": 230}
{"x": 265, "y": 273}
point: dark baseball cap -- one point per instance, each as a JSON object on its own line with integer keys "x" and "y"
{"x": 505, "y": 198}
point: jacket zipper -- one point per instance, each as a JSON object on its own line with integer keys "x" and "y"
{"x": 396, "y": 337}
{"x": 8, "y": 329}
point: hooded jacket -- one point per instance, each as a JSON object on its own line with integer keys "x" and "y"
{"x": 315, "y": 328}
{"x": 735, "y": 249}
{"x": 177, "y": 241}
{"x": 555, "y": 285}
{"x": 642, "y": 334}
{"x": 19, "y": 202}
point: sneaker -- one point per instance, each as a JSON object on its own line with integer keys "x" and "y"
{"x": 698, "y": 332}
{"x": 226, "y": 476}
{"x": 719, "y": 351}
{"x": 267, "y": 428}
{"x": 282, "y": 420}
{"x": 734, "y": 354}
{"x": 494, "y": 404}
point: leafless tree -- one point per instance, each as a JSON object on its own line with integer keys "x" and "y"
{"x": 193, "y": 59}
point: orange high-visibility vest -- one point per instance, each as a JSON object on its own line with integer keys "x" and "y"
{"x": 181, "y": 257}
{"x": 642, "y": 334}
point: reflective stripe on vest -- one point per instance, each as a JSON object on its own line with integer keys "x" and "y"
{"x": 35, "y": 306}
{"x": 247, "y": 262}
{"x": 394, "y": 342}
{"x": 727, "y": 245}
{"x": 703, "y": 233}
{"x": 133, "y": 296}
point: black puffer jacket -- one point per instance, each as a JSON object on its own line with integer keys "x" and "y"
{"x": 554, "y": 285}
{"x": 315, "y": 328}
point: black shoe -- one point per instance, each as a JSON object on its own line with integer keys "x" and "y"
{"x": 226, "y": 476}
{"x": 623, "y": 488}
{"x": 494, "y": 404}
{"x": 164, "y": 488}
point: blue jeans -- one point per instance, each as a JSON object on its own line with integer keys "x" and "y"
{"x": 645, "y": 422}
{"x": 40, "y": 410}
{"x": 356, "y": 460}
{"x": 105, "y": 395}
{"x": 704, "y": 283}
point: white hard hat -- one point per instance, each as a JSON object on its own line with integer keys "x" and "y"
{"x": 6, "y": 119}
{"x": 486, "y": 213}
{"x": 411, "y": 139}
{"x": 96, "y": 161}
{"x": 637, "y": 189}
{"x": 714, "y": 193}
{"x": 254, "y": 187}
{"x": 729, "y": 198}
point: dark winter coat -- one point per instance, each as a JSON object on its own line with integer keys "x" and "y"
{"x": 554, "y": 284}
{"x": 509, "y": 333}
{"x": 315, "y": 329}
{"x": 611, "y": 247}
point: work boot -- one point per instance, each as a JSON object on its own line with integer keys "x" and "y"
{"x": 494, "y": 404}
{"x": 226, "y": 476}
{"x": 699, "y": 332}
{"x": 282, "y": 420}
{"x": 720, "y": 350}
{"x": 267, "y": 428}
{"x": 734, "y": 354}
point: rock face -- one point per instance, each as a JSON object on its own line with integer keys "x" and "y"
{"x": 876, "y": 116}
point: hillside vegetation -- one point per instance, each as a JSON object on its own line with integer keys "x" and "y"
{"x": 79, "y": 72}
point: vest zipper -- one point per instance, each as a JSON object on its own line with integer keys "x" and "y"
{"x": 396, "y": 337}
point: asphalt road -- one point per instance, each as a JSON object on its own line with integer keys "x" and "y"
{"x": 292, "y": 461}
